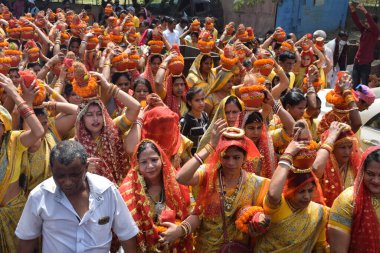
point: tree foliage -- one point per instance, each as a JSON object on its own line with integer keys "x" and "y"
{"x": 239, "y": 4}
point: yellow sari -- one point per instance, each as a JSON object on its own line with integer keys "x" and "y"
{"x": 294, "y": 231}
{"x": 35, "y": 165}
{"x": 219, "y": 114}
{"x": 210, "y": 232}
{"x": 212, "y": 98}
{"x": 10, "y": 161}
{"x": 194, "y": 78}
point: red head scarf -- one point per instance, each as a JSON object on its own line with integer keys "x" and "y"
{"x": 365, "y": 231}
{"x": 265, "y": 147}
{"x": 208, "y": 199}
{"x": 135, "y": 196}
{"x": 172, "y": 101}
{"x": 309, "y": 53}
{"x": 332, "y": 181}
{"x": 296, "y": 181}
{"x": 161, "y": 125}
{"x": 109, "y": 147}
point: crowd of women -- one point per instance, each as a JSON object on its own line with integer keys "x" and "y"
{"x": 230, "y": 156}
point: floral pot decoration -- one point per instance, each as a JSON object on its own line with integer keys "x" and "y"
{"x": 77, "y": 26}
{"x": 52, "y": 17}
{"x": 195, "y": 25}
{"x": 280, "y": 35}
{"x": 230, "y": 27}
{"x": 97, "y": 30}
{"x": 205, "y": 42}
{"x": 133, "y": 59}
{"x": 15, "y": 55}
{"x": 319, "y": 43}
{"x": 120, "y": 62}
{"x": 252, "y": 92}
{"x": 27, "y": 33}
{"x": 209, "y": 24}
{"x": 229, "y": 58}
{"x": 108, "y": 9}
{"x": 92, "y": 43}
{"x": 167, "y": 215}
{"x": 40, "y": 19}
{"x": 241, "y": 33}
{"x": 286, "y": 47}
{"x": 156, "y": 44}
{"x": 29, "y": 77}
{"x": 33, "y": 51}
{"x": 68, "y": 62}
{"x": 69, "y": 17}
{"x": 5, "y": 63}
{"x": 305, "y": 157}
{"x": 132, "y": 36}
{"x": 317, "y": 84}
{"x": 104, "y": 40}
{"x": 84, "y": 85}
{"x": 116, "y": 36}
{"x": 13, "y": 29}
{"x": 251, "y": 215}
{"x": 264, "y": 66}
{"x": 7, "y": 15}
{"x": 177, "y": 63}
{"x": 3, "y": 43}
{"x": 251, "y": 34}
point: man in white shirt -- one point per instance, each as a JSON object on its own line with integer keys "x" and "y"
{"x": 170, "y": 34}
{"x": 74, "y": 210}
{"x": 181, "y": 26}
{"x": 337, "y": 52}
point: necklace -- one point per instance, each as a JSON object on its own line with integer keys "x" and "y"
{"x": 229, "y": 200}
{"x": 158, "y": 205}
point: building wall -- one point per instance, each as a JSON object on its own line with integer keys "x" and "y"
{"x": 261, "y": 17}
{"x": 306, "y": 16}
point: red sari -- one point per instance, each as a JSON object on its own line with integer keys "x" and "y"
{"x": 108, "y": 148}
{"x": 177, "y": 198}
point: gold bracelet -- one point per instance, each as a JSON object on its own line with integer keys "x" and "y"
{"x": 54, "y": 95}
{"x": 327, "y": 147}
{"x": 210, "y": 149}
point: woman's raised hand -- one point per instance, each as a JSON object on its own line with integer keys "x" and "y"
{"x": 219, "y": 127}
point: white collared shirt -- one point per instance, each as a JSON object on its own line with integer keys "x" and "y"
{"x": 171, "y": 37}
{"x": 50, "y": 213}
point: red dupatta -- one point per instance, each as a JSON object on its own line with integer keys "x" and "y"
{"x": 134, "y": 193}
{"x": 365, "y": 231}
{"x": 331, "y": 181}
{"x": 108, "y": 148}
{"x": 208, "y": 188}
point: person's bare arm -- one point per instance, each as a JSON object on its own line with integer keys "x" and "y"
{"x": 29, "y": 137}
{"x": 133, "y": 106}
{"x": 129, "y": 246}
{"x": 27, "y": 246}
{"x": 284, "y": 81}
{"x": 187, "y": 174}
{"x": 280, "y": 175}
{"x": 66, "y": 118}
{"x": 326, "y": 147}
{"x": 339, "y": 241}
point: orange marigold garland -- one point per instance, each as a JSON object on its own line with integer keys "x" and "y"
{"x": 40, "y": 96}
{"x": 161, "y": 229}
{"x": 84, "y": 84}
{"x": 246, "y": 215}
{"x": 5, "y": 64}
{"x": 85, "y": 91}
{"x": 317, "y": 85}
{"x": 156, "y": 46}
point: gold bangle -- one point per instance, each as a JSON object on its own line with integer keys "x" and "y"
{"x": 54, "y": 95}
